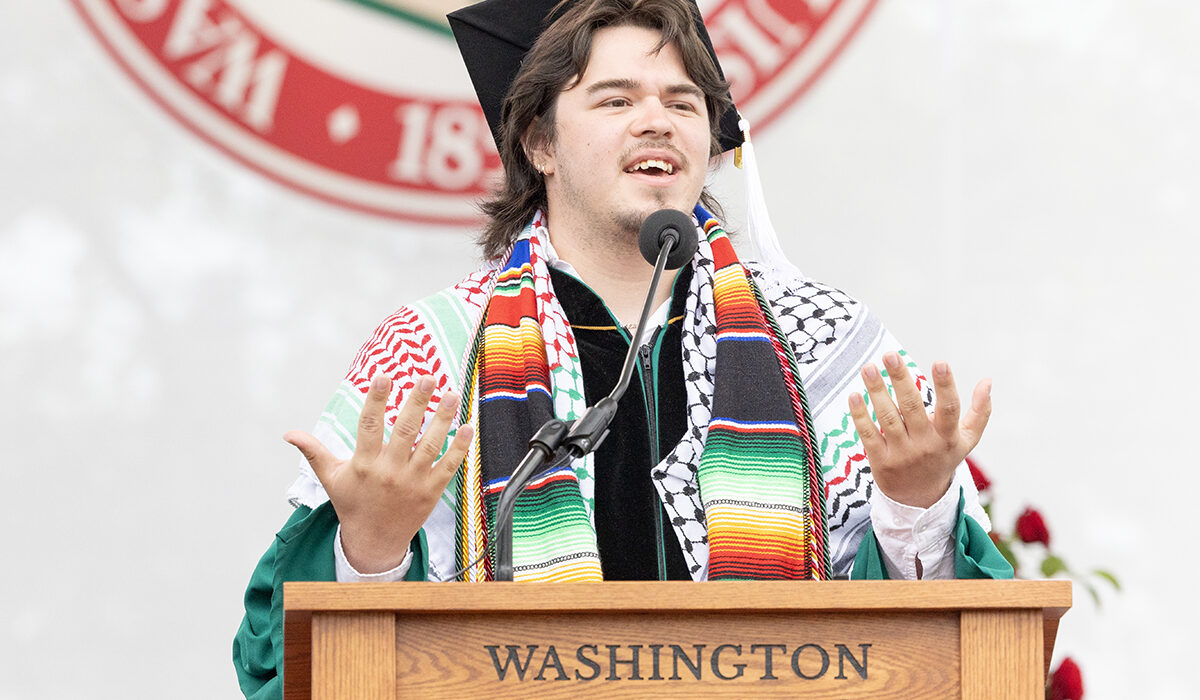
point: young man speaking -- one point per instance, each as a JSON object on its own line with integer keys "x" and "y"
{"x": 733, "y": 455}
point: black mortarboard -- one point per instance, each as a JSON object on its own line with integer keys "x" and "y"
{"x": 494, "y": 36}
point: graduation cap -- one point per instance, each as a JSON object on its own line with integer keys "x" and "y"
{"x": 494, "y": 36}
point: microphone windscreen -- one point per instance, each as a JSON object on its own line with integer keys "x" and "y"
{"x": 661, "y": 224}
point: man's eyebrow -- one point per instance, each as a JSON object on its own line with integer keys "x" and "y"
{"x": 628, "y": 84}
{"x": 613, "y": 84}
{"x": 685, "y": 89}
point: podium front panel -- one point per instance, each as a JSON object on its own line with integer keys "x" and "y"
{"x": 891, "y": 639}
{"x": 681, "y": 655}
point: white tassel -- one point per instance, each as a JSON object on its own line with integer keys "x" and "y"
{"x": 758, "y": 221}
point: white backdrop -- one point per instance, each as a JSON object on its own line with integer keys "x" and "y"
{"x": 1010, "y": 184}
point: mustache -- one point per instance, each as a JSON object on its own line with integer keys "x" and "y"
{"x": 633, "y": 151}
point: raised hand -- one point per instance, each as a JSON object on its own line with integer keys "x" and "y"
{"x": 913, "y": 453}
{"x": 384, "y": 493}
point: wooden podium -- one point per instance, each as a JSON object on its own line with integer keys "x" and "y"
{"x": 877, "y": 639}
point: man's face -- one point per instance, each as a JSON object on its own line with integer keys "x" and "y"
{"x": 631, "y": 137}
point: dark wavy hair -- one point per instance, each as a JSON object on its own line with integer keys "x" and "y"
{"x": 558, "y": 58}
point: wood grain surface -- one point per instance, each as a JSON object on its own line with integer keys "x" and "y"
{"x": 633, "y": 596}
{"x": 907, "y": 656}
{"x": 354, "y": 656}
{"x": 933, "y": 639}
{"x": 1002, "y": 655}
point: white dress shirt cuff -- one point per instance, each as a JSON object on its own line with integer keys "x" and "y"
{"x": 348, "y": 574}
{"x": 906, "y": 534}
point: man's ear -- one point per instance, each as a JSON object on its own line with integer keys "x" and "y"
{"x": 538, "y": 147}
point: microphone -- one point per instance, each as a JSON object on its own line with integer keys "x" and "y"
{"x": 667, "y": 239}
{"x": 664, "y": 225}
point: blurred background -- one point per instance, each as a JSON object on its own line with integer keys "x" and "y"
{"x": 185, "y": 274}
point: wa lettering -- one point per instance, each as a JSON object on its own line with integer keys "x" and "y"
{"x": 221, "y": 58}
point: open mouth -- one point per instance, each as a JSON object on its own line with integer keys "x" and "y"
{"x": 653, "y": 167}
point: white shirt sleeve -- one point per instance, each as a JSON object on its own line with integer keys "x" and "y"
{"x": 347, "y": 573}
{"x": 906, "y": 534}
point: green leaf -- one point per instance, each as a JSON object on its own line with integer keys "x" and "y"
{"x": 1095, "y": 594}
{"x": 1108, "y": 577}
{"x": 1052, "y": 565}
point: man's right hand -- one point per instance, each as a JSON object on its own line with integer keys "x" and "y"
{"x": 384, "y": 492}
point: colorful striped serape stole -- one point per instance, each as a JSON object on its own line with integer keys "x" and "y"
{"x": 756, "y": 470}
{"x": 553, "y": 539}
{"x": 759, "y": 474}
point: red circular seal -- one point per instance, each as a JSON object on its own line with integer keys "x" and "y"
{"x": 365, "y": 103}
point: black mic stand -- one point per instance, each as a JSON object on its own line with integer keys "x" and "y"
{"x": 664, "y": 231}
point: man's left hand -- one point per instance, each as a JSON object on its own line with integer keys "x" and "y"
{"x": 912, "y": 453}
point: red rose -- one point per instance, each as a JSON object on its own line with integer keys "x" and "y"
{"x": 1066, "y": 682}
{"x": 982, "y": 483}
{"x": 1032, "y": 528}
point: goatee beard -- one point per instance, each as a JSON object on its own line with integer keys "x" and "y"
{"x": 629, "y": 223}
